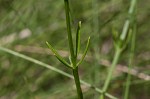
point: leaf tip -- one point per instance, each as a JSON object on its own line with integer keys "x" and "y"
{"x": 47, "y": 43}
{"x": 79, "y": 24}
{"x": 89, "y": 39}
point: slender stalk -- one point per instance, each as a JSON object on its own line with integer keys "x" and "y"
{"x": 106, "y": 84}
{"x": 69, "y": 31}
{"x": 128, "y": 80}
{"x": 77, "y": 81}
{"x": 22, "y": 56}
{"x": 132, "y": 11}
{"x": 73, "y": 56}
{"x": 128, "y": 21}
{"x": 123, "y": 40}
{"x": 115, "y": 60}
{"x": 131, "y": 58}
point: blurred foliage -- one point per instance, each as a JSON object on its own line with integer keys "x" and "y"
{"x": 20, "y": 79}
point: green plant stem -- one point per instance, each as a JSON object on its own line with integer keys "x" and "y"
{"x": 119, "y": 48}
{"x": 73, "y": 56}
{"x": 128, "y": 21}
{"x": 69, "y": 31}
{"x": 107, "y": 81}
{"x": 131, "y": 60}
{"x": 128, "y": 80}
{"x": 77, "y": 82}
{"x": 6, "y": 50}
{"x": 132, "y": 11}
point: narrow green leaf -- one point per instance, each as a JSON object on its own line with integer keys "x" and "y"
{"x": 58, "y": 56}
{"x": 78, "y": 39}
{"x": 85, "y": 51}
{"x": 71, "y": 64}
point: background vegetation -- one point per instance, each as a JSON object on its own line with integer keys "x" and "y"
{"x": 25, "y": 26}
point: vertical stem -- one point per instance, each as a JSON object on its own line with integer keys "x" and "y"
{"x": 77, "y": 82}
{"x": 118, "y": 51}
{"x": 131, "y": 58}
{"x": 128, "y": 21}
{"x": 106, "y": 84}
{"x": 69, "y": 31}
{"x": 73, "y": 58}
{"x": 128, "y": 80}
{"x": 132, "y": 11}
{"x": 117, "y": 54}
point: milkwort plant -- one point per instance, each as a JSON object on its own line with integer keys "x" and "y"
{"x": 73, "y": 65}
{"x": 120, "y": 43}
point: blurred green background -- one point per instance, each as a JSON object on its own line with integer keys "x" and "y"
{"x": 25, "y": 26}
